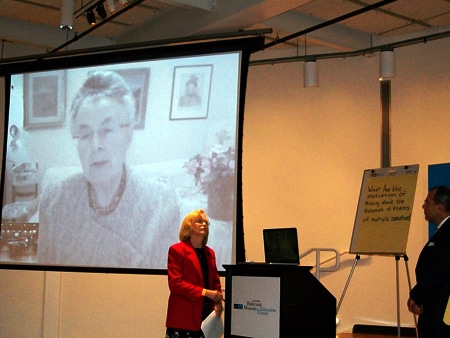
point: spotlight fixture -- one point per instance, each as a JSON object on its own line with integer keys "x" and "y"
{"x": 111, "y": 6}
{"x": 66, "y": 14}
{"x": 101, "y": 10}
{"x": 310, "y": 74}
{"x": 387, "y": 65}
{"x": 90, "y": 17}
{"x": 123, "y": 2}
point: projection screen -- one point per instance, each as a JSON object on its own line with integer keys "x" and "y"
{"x": 102, "y": 183}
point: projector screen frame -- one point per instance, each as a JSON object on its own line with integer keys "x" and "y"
{"x": 246, "y": 45}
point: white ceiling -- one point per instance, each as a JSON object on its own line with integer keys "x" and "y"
{"x": 31, "y": 26}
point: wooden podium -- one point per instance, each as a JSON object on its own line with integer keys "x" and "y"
{"x": 269, "y": 301}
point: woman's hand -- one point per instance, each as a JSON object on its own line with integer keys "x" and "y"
{"x": 218, "y": 308}
{"x": 214, "y": 295}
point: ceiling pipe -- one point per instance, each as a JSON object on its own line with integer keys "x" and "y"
{"x": 258, "y": 32}
{"x": 395, "y": 15}
{"x": 329, "y": 22}
{"x": 365, "y": 51}
{"x": 66, "y": 14}
{"x": 137, "y": 45}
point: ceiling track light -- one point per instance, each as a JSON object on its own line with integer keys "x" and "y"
{"x": 100, "y": 9}
{"x": 310, "y": 73}
{"x": 111, "y": 6}
{"x": 310, "y": 70}
{"x": 387, "y": 64}
{"x": 90, "y": 16}
{"x": 124, "y": 2}
{"x": 66, "y": 14}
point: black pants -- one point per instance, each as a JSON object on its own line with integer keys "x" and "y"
{"x": 177, "y": 333}
{"x": 432, "y": 327}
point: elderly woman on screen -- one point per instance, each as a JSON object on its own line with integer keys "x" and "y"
{"x": 108, "y": 215}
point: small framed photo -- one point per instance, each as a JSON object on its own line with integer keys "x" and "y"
{"x": 138, "y": 80}
{"x": 44, "y": 99}
{"x": 190, "y": 92}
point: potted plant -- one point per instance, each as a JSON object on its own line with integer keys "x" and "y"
{"x": 214, "y": 174}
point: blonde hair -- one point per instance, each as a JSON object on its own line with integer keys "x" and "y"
{"x": 188, "y": 222}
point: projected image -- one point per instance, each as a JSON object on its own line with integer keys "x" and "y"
{"x": 109, "y": 185}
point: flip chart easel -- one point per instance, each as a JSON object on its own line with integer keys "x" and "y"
{"x": 383, "y": 218}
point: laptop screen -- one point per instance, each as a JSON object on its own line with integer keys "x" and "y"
{"x": 281, "y": 246}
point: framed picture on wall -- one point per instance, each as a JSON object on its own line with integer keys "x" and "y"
{"x": 138, "y": 80}
{"x": 191, "y": 92}
{"x": 44, "y": 99}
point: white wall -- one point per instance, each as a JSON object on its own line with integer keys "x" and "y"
{"x": 305, "y": 151}
{"x": 304, "y": 154}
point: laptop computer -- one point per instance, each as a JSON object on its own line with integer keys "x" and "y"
{"x": 281, "y": 246}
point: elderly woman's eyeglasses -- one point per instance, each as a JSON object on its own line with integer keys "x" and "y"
{"x": 202, "y": 223}
{"x": 86, "y": 134}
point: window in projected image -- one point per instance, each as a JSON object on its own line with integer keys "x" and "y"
{"x": 102, "y": 163}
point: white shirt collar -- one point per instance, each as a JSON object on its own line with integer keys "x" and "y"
{"x": 446, "y": 218}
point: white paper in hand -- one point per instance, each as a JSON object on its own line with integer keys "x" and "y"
{"x": 212, "y": 326}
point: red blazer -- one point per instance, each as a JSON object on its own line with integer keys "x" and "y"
{"x": 184, "y": 310}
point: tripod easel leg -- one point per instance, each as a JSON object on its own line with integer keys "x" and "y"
{"x": 405, "y": 258}
{"x": 397, "y": 258}
{"x": 348, "y": 282}
{"x": 398, "y": 296}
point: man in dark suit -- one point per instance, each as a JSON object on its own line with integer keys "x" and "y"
{"x": 429, "y": 297}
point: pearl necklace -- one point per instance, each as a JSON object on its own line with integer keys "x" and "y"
{"x": 103, "y": 211}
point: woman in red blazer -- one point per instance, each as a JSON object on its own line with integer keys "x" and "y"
{"x": 194, "y": 282}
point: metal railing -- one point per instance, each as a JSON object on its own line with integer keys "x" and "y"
{"x": 318, "y": 267}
